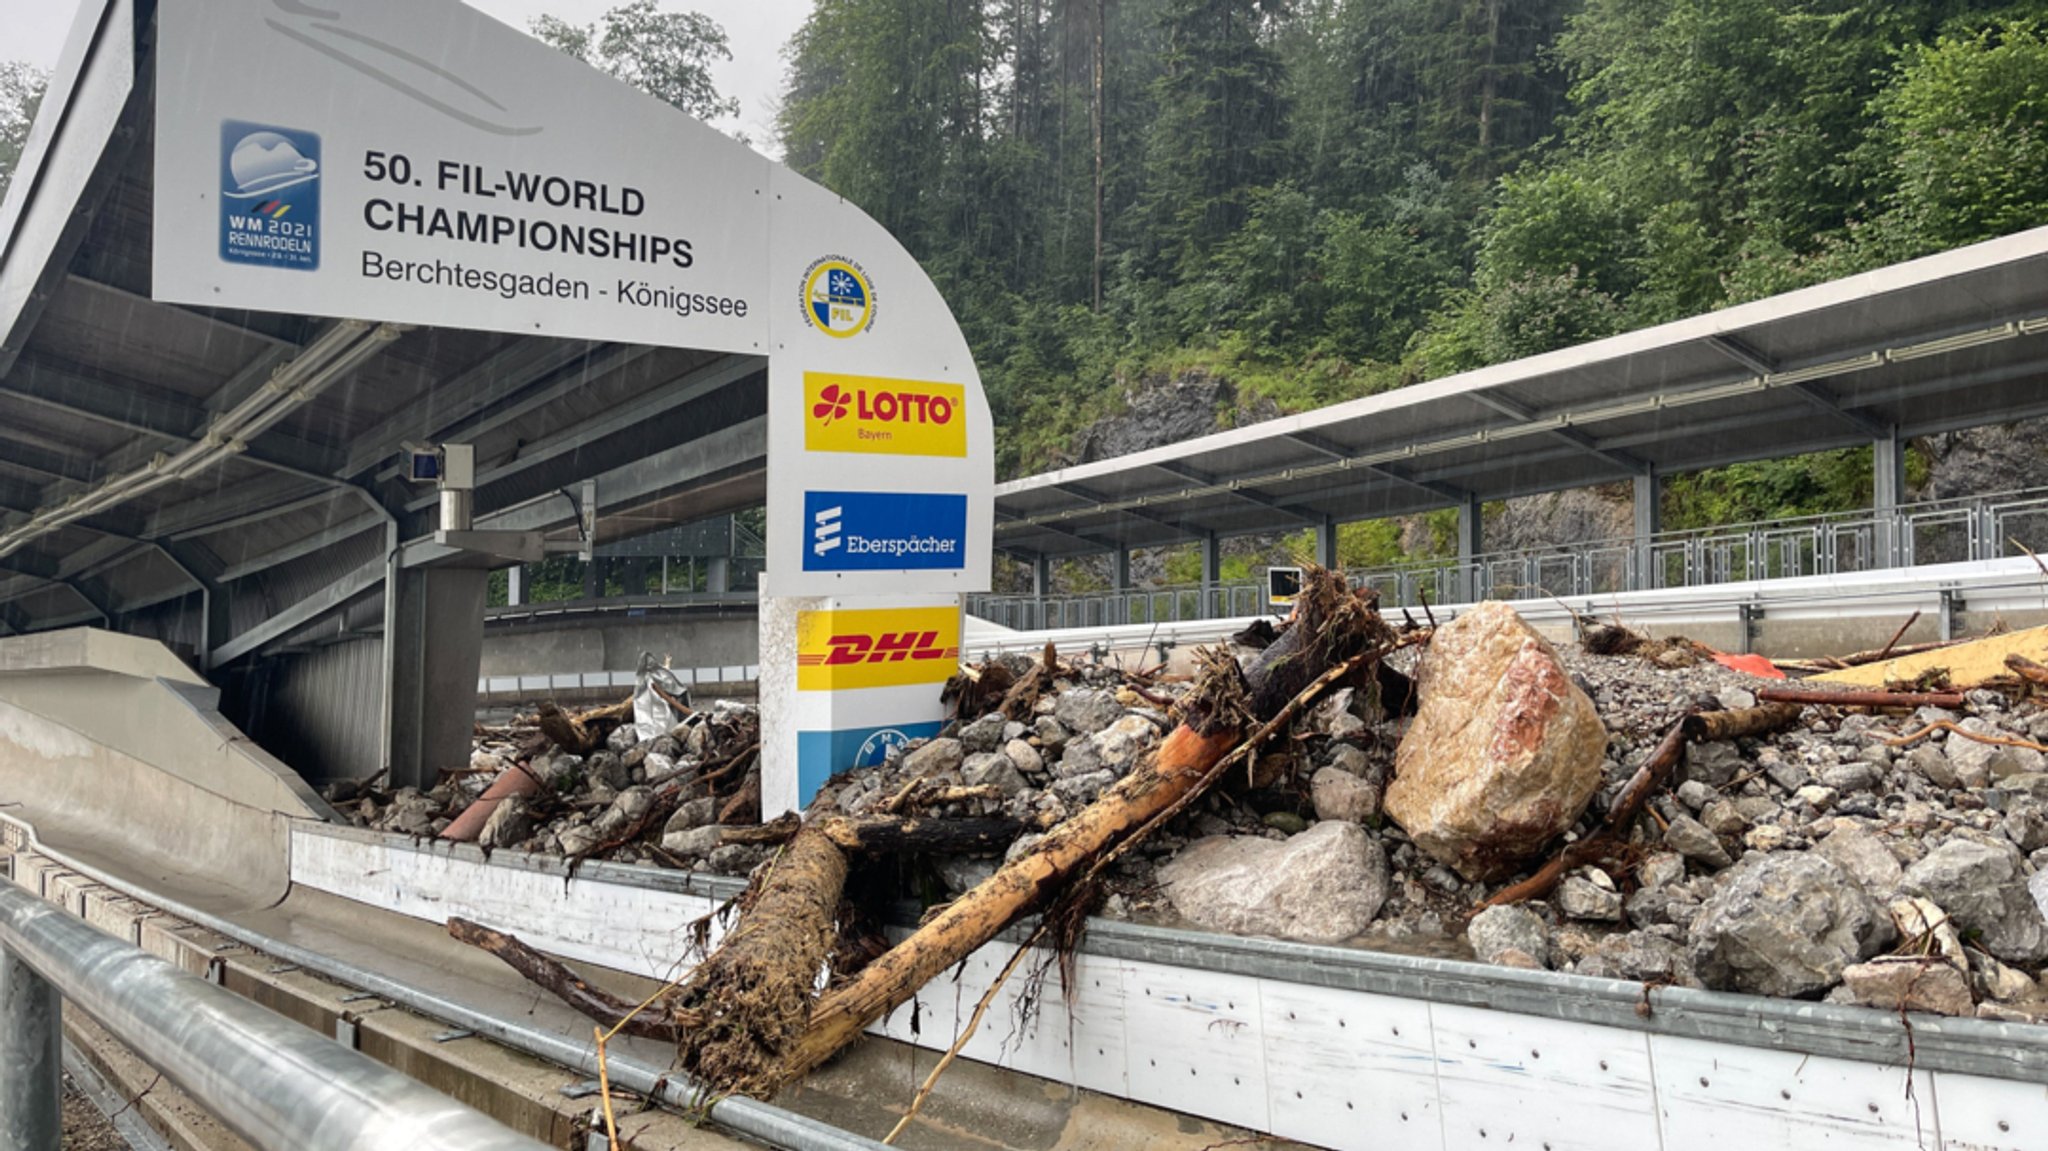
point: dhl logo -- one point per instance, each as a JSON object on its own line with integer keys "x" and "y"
{"x": 883, "y": 417}
{"x": 842, "y": 650}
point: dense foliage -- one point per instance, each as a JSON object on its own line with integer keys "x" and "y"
{"x": 1326, "y": 198}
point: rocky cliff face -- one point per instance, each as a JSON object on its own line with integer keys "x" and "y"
{"x": 1169, "y": 411}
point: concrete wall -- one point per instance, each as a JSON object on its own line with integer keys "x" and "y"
{"x": 598, "y": 643}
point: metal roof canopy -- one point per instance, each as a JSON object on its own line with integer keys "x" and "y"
{"x": 285, "y": 541}
{"x": 1950, "y": 341}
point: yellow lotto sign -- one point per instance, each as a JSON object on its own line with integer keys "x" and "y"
{"x": 883, "y": 416}
{"x": 841, "y": 650}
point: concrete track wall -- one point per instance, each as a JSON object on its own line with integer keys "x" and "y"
{"x": 599, "y": 643}
{"x": 114, "y": 750}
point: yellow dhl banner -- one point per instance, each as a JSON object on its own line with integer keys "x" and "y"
{"x": 842, "y": 650}
{"x": 882, "y": 416}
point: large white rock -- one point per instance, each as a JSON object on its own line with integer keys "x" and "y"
{"x": 1505, "y": 750}
{"x": 1322, "y": 886}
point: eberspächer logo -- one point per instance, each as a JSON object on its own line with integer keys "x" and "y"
{"x": 838, "y": 298}
{"x": 885, "y": 531}
{"x": 269, "y": 196}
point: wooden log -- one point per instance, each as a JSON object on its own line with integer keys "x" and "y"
{"x": 545, "y": 972}
{"x": 1807, "y": 695}
{"x": 581, "y": 733}
{"x": 745, "y": 1006}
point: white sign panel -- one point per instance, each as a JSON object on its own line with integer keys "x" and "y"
{"x": 420, "y": 162}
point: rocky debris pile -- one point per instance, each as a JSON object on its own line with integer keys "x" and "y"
{"x": 1896, "y": 859}
{"x": 621, "y": 797}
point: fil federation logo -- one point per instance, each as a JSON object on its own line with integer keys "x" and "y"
{"x": 838, "y": 297}
{"x": 269, "y": 196}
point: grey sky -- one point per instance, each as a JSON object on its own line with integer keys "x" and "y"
{"x": 34, "y": 30}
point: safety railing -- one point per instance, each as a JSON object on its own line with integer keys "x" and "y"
{"x": 276, "y": 1084}
{"x": 1944, "y": 531}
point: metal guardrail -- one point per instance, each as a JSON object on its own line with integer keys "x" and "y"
{"x": 1977, "y": 528}
{"x": 273, "y": 1082}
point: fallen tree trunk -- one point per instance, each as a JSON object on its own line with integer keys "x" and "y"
{"x": 756, "y": 1042}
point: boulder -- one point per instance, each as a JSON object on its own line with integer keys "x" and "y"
{"x": 694, "y": 842}
{"x": 1784, "y": 924}
{"x": 1983, "y": 887}
{"x": 1499, "y": 930}
{"x": 1689, "y": 837}
{"x": 1590, "y": 896}
{"x": 1505, "y": 751}
{"x": 1338, "y": 794}
{"x": 1322, "y": 886}
{"x": 1114, "y": 749}
{"x": 1025, "y": 756}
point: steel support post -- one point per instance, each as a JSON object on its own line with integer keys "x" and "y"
{"x": 515, "y": 583}
{"x": 1212, "y": 575}
{"x": 1471, "y": 538}
{"x": 1121, "y": 573}
{"x": 31, "y": 1059}
{"x": 1888, "y": 494}
{"x": 1326, "y": 543}
{"x": 718, "y": 575}
{"x": 1649, "y": 521}
{"x": 434, "y": 637}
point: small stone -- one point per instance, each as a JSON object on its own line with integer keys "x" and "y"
{"x": 1639, "y": 956}
{"x": 1582, "y": 898}
{"x": 1349, "y": 759}
{"x": 692, "y": 813}
{"x": 984, "y": 734}
{"x": 578, "y": 838}
{"x": 694, "y": 842}
{"x": 1052, "y": 736}
{"x": 1978, "y": 763}
{"x": 961, "y": 875}
{"x": 1929, "y": 761}
{"x": 1081, "y": 790}
{"x": 1735, "y": 699}
{"x": 1815, "y": 796}
{"x": 1338, "y": 794}
{"x": 1999, "y": 982}
{"x": 1788, "y": 774}
{"x": 1688, "y": 837}
{"x": 940, "y": 755}
{"x": 510, "y": 823}
{"x": 1285, "y": 822}
{"x": 1863, "y": 857}
{"x": 1334, "y": 716}
{"x": 2026, "y": 825}
{"x": 1767, "y": 837}
{"x": 1714, "y": 764}
{"x": 1695, "y": 795}
{"x": 1896, "y": 983}
{"x": 1499, "y": 930}
{"x": 1847, "y": 777}
{"x": 1661, "y": 870}
{"x": 1085, "y": 711}
{"x": 1025, "y": 756}
{"x": 993, "y": 769}
{"x": 1723, "y": 817}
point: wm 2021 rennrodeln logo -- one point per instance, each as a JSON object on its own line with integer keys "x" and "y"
{"x": 269, "y": 196}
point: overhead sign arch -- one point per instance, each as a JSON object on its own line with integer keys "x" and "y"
{"x": 415, "y": 161}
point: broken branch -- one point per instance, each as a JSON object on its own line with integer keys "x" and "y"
{"x": 1860, "y": 698}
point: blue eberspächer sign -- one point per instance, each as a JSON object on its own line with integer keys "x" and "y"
{"x": 885, "y": 531}
{"x": 269, "y": 196}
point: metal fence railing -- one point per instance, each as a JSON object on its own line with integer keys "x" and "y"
{"x": 1943, "y": 531}
{"x": 276, "y": 1084}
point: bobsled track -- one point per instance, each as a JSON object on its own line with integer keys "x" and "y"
{"x": 1166, "y": 1038}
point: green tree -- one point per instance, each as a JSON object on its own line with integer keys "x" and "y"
{"x": 21, "y": 94}
{"x": 667, "y": 55}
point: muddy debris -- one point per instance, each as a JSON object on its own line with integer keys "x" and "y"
{"x": 1888, "y": 857}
